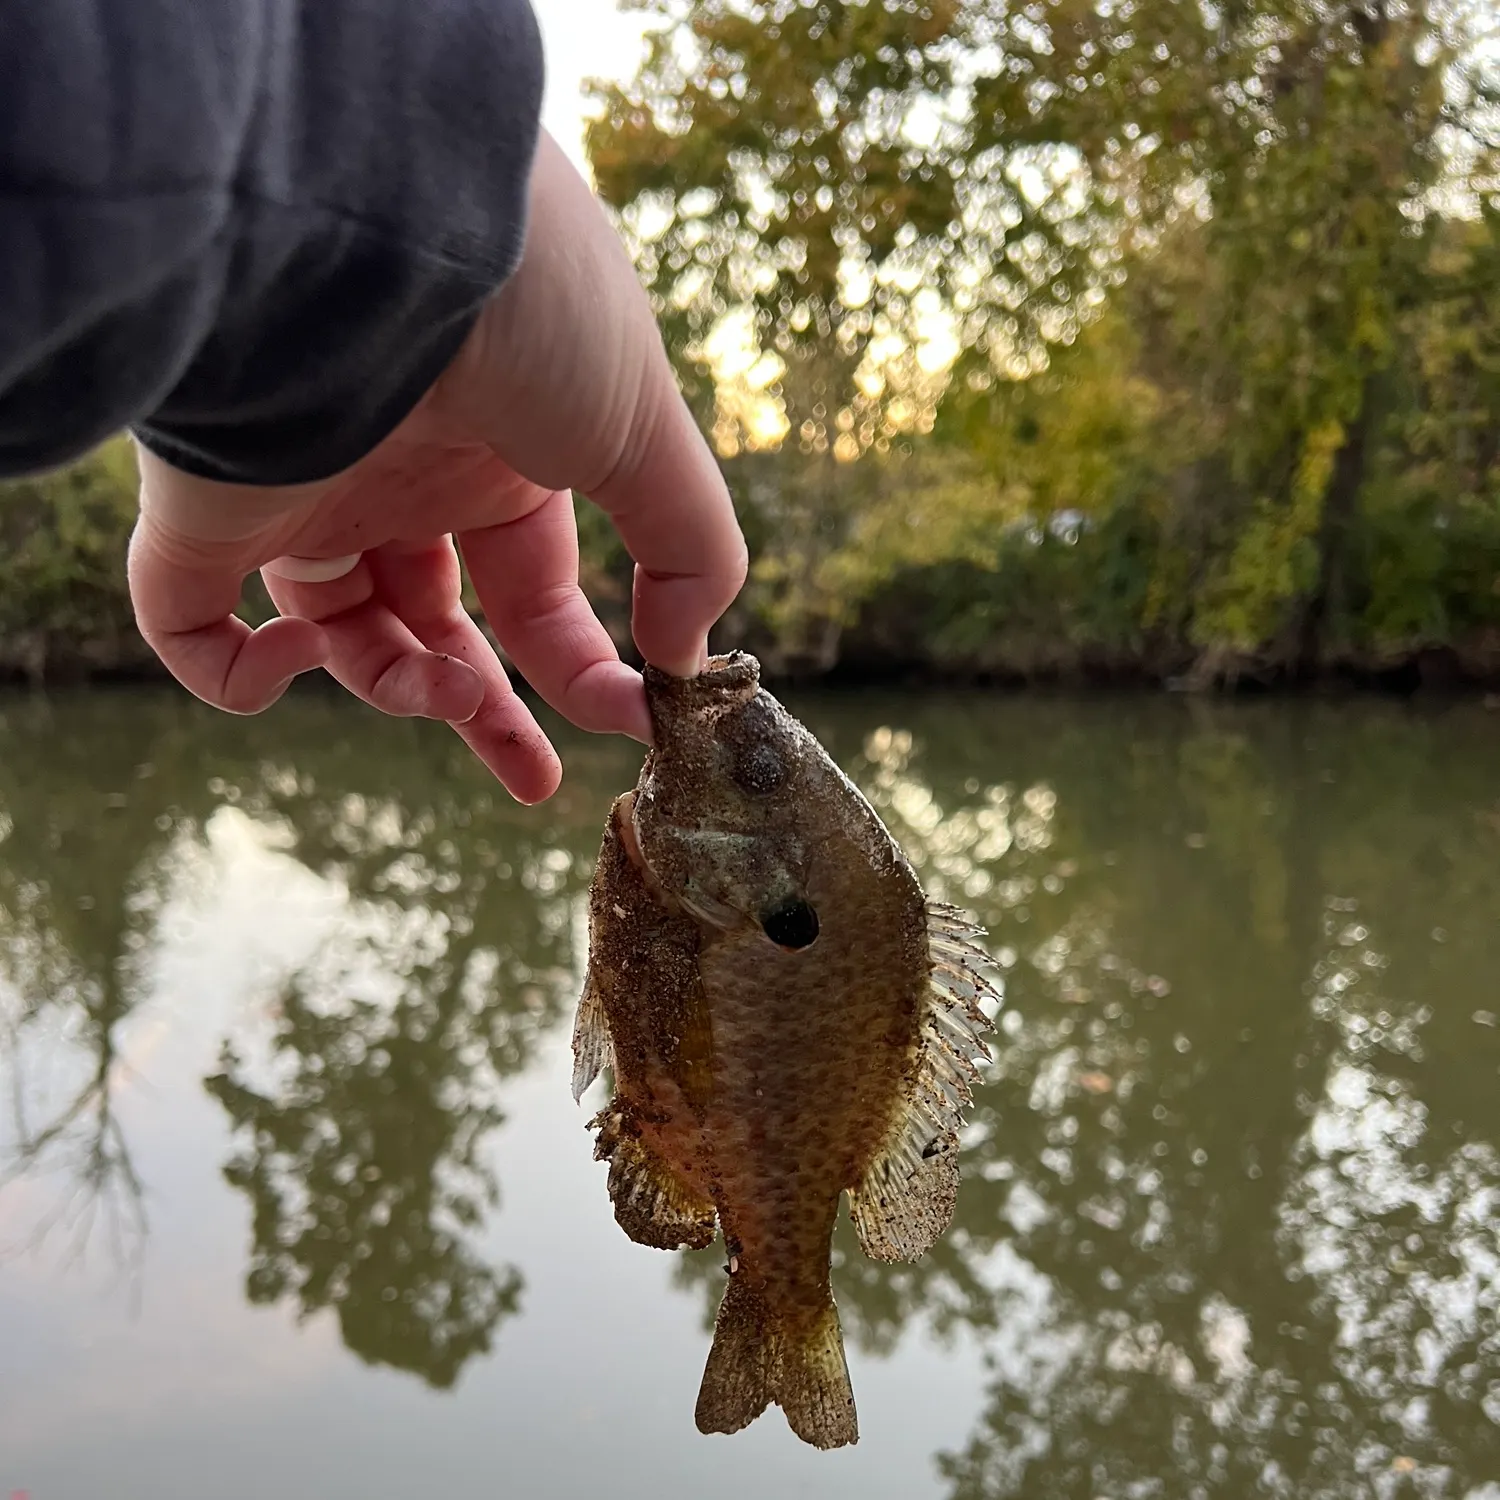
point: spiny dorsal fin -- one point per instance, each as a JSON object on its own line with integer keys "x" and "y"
{"x": 592, "y": 1050}
{"x": 905, "y": 1199}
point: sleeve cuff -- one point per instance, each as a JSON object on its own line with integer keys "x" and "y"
{"x": 322, "y": 378}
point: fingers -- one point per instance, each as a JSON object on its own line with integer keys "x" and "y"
{"x": 657, "y": 481}
{"x": 502, "y": 731}
{"x": 671, "y": 507}
{"x": 526, "y": 574}
{"x": 184, "y": 597}
{"x": 567, "y": 379}
{"x": 399, "y": 639}
{"x": 372, "y": 652}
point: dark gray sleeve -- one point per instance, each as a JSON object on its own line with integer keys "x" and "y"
{"x": 255, "y": 230}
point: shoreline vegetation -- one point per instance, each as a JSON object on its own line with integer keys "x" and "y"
{"x": 1038, "y": 344}
{"x": 1024, "y": 622}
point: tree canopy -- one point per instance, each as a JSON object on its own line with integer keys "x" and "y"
{"x": 1071, "y": 337}
{"x": 1194, "y": 263}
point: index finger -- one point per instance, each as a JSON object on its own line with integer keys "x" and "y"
{"x": 670, "y": 504}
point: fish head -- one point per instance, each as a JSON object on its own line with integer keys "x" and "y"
{"x": 721, "y": 815}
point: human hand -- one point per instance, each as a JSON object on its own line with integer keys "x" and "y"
{"x": 563, "y": 384}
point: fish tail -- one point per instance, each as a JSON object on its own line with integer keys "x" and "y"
{"x": 761, "y": 1355}
{"x": 813, "y": 1386}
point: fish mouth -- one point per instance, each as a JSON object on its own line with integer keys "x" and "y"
{"x": 732, "y": 669}
{"x": 725, "y": 681}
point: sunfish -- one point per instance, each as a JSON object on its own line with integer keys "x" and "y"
{"x": 787, "y": 1019}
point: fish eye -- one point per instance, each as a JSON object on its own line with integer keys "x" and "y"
{"x": 792, "y": 925}
{"x": 758, "y": 769}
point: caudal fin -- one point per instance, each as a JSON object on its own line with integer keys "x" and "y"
{"x": 797, "y": 1362}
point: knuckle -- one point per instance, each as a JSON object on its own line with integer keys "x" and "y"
{"x": 538, "y": 605}
{"x": 156, "y": 540}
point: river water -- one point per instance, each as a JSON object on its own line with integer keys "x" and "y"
{"x": 294, "y": 1199}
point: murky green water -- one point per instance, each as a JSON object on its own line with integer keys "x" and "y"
{"x": 296, "y": 1201}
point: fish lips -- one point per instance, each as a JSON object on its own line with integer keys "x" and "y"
{"x": 735, "y": 676}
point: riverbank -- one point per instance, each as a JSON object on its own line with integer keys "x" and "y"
{"x": 1051, "y": 605}
{"x": 122, "y": 659}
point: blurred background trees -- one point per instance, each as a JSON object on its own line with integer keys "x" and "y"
{"x": 1079, "y": 337}
{"x": 1189, "y": 294}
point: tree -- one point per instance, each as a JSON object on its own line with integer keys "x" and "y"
{"x": 867, "y": 180}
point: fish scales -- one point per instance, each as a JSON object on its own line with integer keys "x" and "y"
{"x": 787, "y": 1020}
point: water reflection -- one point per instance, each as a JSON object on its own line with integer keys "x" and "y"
{"x": 77, "y": 904}
{"x": 361, "y": 1134}
{"x": 360, "y": 1113}
{"x": 1207, "y": 1232}
{"x": 1228, "y": 1218}
{"x": 1238, "y": 1261}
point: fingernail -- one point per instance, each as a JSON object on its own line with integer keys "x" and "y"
{"x": 312, "y": 569}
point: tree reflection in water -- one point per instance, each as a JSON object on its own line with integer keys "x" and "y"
{"x": 1227, "y": 1224}
{"x": 362, "y": 1134}
{"x": 1211, "y": 1237}
{"x": 361, "y": 1122}
{"x": 79, "y": 896}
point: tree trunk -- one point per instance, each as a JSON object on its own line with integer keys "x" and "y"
{"x": 1340, "y": 507}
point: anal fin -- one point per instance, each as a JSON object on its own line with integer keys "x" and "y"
{"x": 797, "y": 1361}
{"x": 653, "y": 1204}
{"x": 904, "y": 1201}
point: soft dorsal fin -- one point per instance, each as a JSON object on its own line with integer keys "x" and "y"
{"x": 904, "y": 1201}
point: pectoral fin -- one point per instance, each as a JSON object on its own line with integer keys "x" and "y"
{"x": 654, "y": 1204}
{"x": 592, "y": 1050}
{"x": 904, "y": 1201}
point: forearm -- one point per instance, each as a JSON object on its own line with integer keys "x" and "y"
{"x": 255, "y": 230}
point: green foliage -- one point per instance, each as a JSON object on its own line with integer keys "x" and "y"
{"x": 1042, "y": 602}
{"x": 1037, "y": 337}
{"x": 62, "y": 562}
{"x": 1202, "y": 284}
{"x": 64, "y": 599}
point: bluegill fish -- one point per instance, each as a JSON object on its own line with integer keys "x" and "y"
{"x": 787, "y": 1019}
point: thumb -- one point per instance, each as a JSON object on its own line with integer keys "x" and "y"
{"x": 185, "y": 590}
